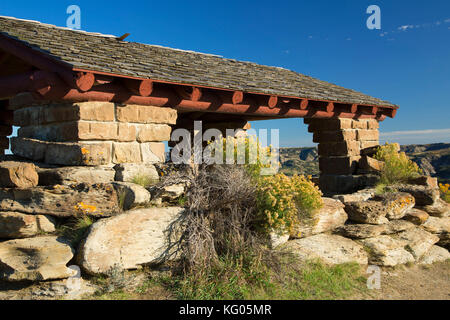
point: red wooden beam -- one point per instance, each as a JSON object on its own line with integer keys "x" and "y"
{"x": 84, "y": 81}
{"x": 304, "y": 104}
{"x": 142, "y": 88}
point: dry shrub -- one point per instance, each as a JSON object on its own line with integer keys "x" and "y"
{"x": 219, "y": 220}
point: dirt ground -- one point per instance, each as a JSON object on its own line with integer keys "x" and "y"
{"x": 416, "y": 282}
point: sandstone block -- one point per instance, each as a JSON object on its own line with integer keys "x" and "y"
{"x": 71, "y": 175}
{"x": 63, "y": 153}
{"x": 154, "y": 132}
{"x": 435, "y": 254}
{"x": 396, "y": 204}
{"x": 15, "y": 225}
{"x": 334, "y": 136}
{"x": 368, "y": 135}
{"x": 128, "y": 171}
{"x": 371, "y": 212}
{"x": 418, "y": 240}
{"x": 124, "y": 152}
{"x": 368, "y": 144}
{"x": 131, "y": 194}
{"x": 422, "y": 194}
{"x": 331, "y": 249}
{"x": 339, "y": 165}
{"x": 146, "y": 114}
{"x": 99, "y": 200}
{"x": 128, "y": 240}
{"x": 425, "y": 181}
{"x": 416, "y": 216}
{"x": 387, "y": 251}
{"x": 347, "y": 148}
{"x": 18, "y": 175}
{"x": 369, "y": 165}
{"x": 35, "y": 259}
{"x": 440, "y": 208}
{"x": 126, "y": 132}
{"x": 329, "y": 124}
{"x": 153, "y": 152}
{"x": 439, "y": 227}
{"x": 331, "y": 216}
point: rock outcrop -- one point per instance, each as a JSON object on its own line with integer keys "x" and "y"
{"x": 14, "y": 225}
{"x": 128, "y": 240}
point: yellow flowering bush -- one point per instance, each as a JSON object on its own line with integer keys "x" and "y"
{"x": 397, "y": 166}
{"x": 282, "y": 200}
{"x": 445, "y": 192}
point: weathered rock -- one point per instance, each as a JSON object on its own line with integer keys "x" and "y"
{"x": 131, "y": 194}
{"x": 416, "y": 216}
{"x": 370, "y": 211}
{"x": 386, "y": 251}
{"x": 331, "y": 249}
{"x": 439, "y": 227}
{"x": 36, "y": 259}
{"x": 361, "y": 195}
{"x": 425, "y": 181}
{"x": 80, "y": 174}
{"x": 329, "y": 217}
{"x": 99, "y": 200}
{"x": 276, "y": 239}
{"x": 369, "y": 165}
{"x": 172, "y": 192}
{"x": 438, "y": 209}
{"x": 435, "y": 254}
{"x": 18, "y": 175}
{"x": 418, "y": 240}
{"x": 15, "y": 225}
{"x": 127, "y": 172}
{"x": 423, "y": 195}
{"x": 363, "y": 231}
{"x": 397, "y": 204}
{"x": 127, "y": 240}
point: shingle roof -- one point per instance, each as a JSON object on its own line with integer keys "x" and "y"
{"x": 107, "y": 54}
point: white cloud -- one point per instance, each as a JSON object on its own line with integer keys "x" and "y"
{"x": 405, "y": 27}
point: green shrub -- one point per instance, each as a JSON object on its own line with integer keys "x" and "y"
{"x": 397, "y": 168}
{"x": 445, "y": 192}
{"x": 143, "y": 180}
{"x": 283, "y": 201}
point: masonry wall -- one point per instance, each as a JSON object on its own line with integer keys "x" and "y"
{"x": 342, "y": 147}
{"x": 92, "y": 133}
{"x": 6, "y": 121}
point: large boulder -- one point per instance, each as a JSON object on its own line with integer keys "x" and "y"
{"x": 331, "y": 249}
{"x": 128, "y": 240}
{"x": 131, "y": 194}
{"x": 416, "y": 216}
{"x": 327, "y": 218}
{"x": 440, "y": 208}
{"x": 396, "y": 204}
{"x": 439, "y": 227}
{"x": 372, "y": 212}
{"x": 385, "y": 250}
{"x": 15, "y": 225}
{"x": 361, "y": 195}
{"x": 75, "y": 175}
{"x": 129, "y": 172}
{"x": 35, "y": 259}
{"x": 363, "y": 231}
{"x": 99, "y": 200}
{"x": 435, "y": 254}
{"x": 423, "y": 195}
{"x": 18, "y": 175}
{"x": 418, "y": 241}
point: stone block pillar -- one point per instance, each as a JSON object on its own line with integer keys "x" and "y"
{"x": 340, "y": 144}
{"x": 92, "y": 133}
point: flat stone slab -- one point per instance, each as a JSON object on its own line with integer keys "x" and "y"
{"x": 435, "y": 254}
{"x": 15, "y": 225}
{"x": 35, "y": 259}
{"x": 18, "y": 175}
{"x": 127, "y": 240}
{"x": 372, "y": 212}
{"x": 99, "y": 200}
{"x": 385, "y": 250}
{"x": 331, "y": 249}
{"x": 78, "y": 174}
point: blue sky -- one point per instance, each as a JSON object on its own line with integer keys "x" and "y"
{"x": 406, "y": 62}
